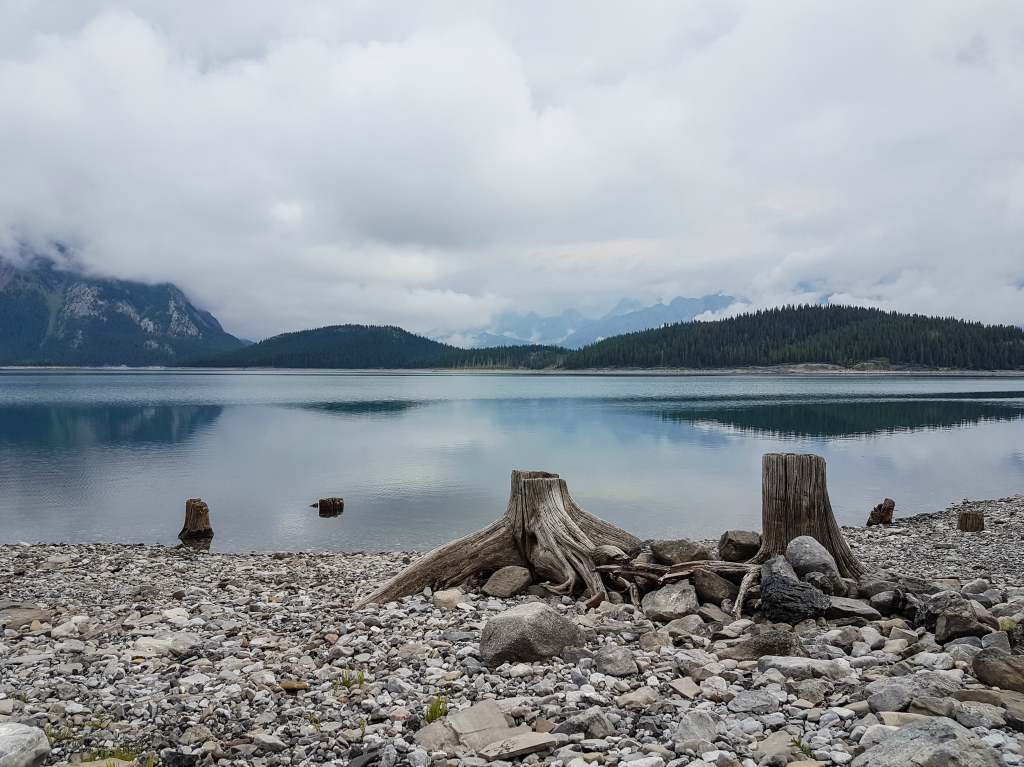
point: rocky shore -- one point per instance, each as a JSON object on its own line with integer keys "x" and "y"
{"x": 120, "y": 653}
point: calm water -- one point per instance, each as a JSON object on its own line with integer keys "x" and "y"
{"x": 421, "y": 458}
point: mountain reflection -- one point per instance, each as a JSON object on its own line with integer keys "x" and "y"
{"x": 845, "y": 419}
{"x": 75, "y": 427}
{"x": 363, "y": 407}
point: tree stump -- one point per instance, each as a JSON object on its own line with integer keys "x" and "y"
{"x": 542, "y": 529}
{"x": 882, "y": 513}
{"x": 794, "y": 502}
{"x": 197, "y": 521}
{"x": 331, "y": 507}
{"x": 971, "y": 521}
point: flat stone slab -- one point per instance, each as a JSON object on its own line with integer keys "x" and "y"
{"x": 518, "y": 745}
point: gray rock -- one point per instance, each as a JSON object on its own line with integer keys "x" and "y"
{"x": 844, "y": 607}
{"x": 17, "y": 616}
{"x": 687, "y": 625}
{"x": 22, "y": 746}
{"x": 531, "y": 631}
{"x": 955, "y": 625}
{"x": 896, "y": 693}
{"x": 767, "y": 643}
{"x": 448, "y": 599}
{"x": 999, "y": 668}
{"x": 615, "y": 660}
{"x": 670, "y": 602}
{"x": 784, "y": 600}
{"x": 754, "y": 702}
{"x": 973, "y": 714}
{"x": 738, "y": 545}
{"x": 518, "y": 745}
{"x": 593, "y": 723}
{"x": 507, "y": 582}
{"x": 777, "y": 565}
{"x": 679, "y": 550}
{"x": 712, "y": 587}
{"x": 807, "y": 555}
{"x": 437, "y": 736}
{"x": 806, "y": 668}
{"x": 945, "y": 602}
{"x": 933, "y": 742}
{"x": 695, "y": 726}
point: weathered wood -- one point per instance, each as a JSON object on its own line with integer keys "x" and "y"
{"x": 794, "y": 502}
{"x": 971, "y": 521}
{"x": 542, "y": 529}
{"x": 882, "y": 513}
{"x": 331, "y": 507}
{"x": 197, "y": 521}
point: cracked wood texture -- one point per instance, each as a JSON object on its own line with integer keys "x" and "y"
{"x": 542, "y": 529}
{"x": 794, "y": 501}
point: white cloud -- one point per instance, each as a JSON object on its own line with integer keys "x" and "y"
{"x": 432, "y": 164}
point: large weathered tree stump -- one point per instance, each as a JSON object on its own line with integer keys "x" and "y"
{"x": 330, "y": 507}
{"x": 882, "y": 513}
{"x": 197, "y": 521}
{"x": 794, "y": 501}
{"x": 542, "y": 529}
{"x": 971, "y": 521}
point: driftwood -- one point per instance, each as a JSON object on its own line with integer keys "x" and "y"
{"x": 542, "y": 529}
{"x": 197, "y": 522}
{"x": 330, "y": 507}
{"x": 794, "y": 502}
{"x": 971, "y": 521}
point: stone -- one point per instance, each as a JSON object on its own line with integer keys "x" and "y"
{"x": 784, "y": 600}
{"x": 448, "y": 599}
{"x": 777, "y": 565}
{"x": 652, "y": 641}
{"x": 695, "y": 726}
{"x": 686, "y": 626}
{"x": 806, "y": 668}
{"x": 998, "y": 668}
{"x": 766, "y": 643}
{"x": 678, "y": 550}
{"x": 895, "y": 693}
{"x": 807, "y": 555}
{"x": 932, "y": 706}
{"x": 900, "y": 718}
{"x": 944, "y": 602}
{"x": 712, "y": 587}
{"x": 518, "y": 745}
{"x": 268, "y": 742}
{"x": 527, "y": 632}
{"x": 738, "y": 545}
{"x": 973, "y": 714}
{"x": 778, "y": 743}
{"x": 437, "y": 736}
{"x": 672, "y": 601}
{"x": 22, "y": 745}
{"x": 845, "y": 607}
{"x": 615, "y": 660}
{"x": 955, "y": 625}
{"x": 875, "y": 734}
{"x": 507, "y": 582}
{"x": 754, "y": 702}
{"x": 593, "y": 723}
{"x": 686, "y": 687}
{"x": 16, "y": 616}
{"x": 639, "y": 698}
{"x": 882, "y": 513}
{"x": 933, "y": 742}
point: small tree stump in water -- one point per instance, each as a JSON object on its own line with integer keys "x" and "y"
{"x": 882, "y": 513}
{"x": 971, "y": 521}
{"x": 331, "y": 507}
{"x": 197, "y": 521}
{"x": 794, "y": 502}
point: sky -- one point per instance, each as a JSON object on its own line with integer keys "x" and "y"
{"x": 432, "y": 164}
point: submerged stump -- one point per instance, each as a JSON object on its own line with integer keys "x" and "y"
{"x": 331, "y": 507}
{"x": 794, "y": 502}
{"x": 197, "y": 522}
{"x": 542, "y": 529}
{"x": 971, "y": 521}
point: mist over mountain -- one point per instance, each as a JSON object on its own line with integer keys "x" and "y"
{"x": 57, "y": 316}
{"x": 572, "y": 329}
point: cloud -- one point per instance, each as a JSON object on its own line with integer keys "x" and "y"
{"x": 433, "y": 165}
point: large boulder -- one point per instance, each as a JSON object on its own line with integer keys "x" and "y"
{"x": 738, "y": 545}
{"x": 670, "y": 602}
{"x": 532, "y": 631}
{"x": 678, "y": 550}
{"x": 22, "y": 746}
{"x": 998, "y": 668}
{"x": 784, "y": 600}
{"x": 507, "y": 582}
{"x": 615, "y": 660}
{"x": 896, "y": 693}
{"x": 712, "y": 587}
{"x": 944, "y": 602}
{"x": 932, "y": 742}
{"x": 807, "y": 555}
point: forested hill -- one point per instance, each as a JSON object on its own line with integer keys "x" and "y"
{"x": 837, "y": 335}
{"x": 356, "y": 347}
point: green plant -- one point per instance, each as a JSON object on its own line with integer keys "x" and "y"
{"x": 348, "y": 679}
{"x": 60, "y": 735}
{"x": 1007, "y": 624}
{"x": 802, "y": 747}
{"x": 437, "y": 709}
{"x": 314, "y": 720}
{"x": 124, "y": 753}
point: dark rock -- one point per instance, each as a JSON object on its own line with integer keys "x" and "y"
{"x": 678, "y": 551}
{"x": 784, "y": 600}
{"x": 593, "y": 723}
{"x": 824, "y": 583}
{"x": 738, "y": 545}
{"x": 615, "y": 660}
{"x": 945, "y": 602}
{"x": 712, "y": 587}
{"x": 882, "y": 513}
{"x": 998, "y": 668}
{"x": 777, "y": 565}
{"x": 843, "y": 607}
{"x": 887, "y": 602}
{"x": 531, "y": 631}
{"x": 954, "y": 625}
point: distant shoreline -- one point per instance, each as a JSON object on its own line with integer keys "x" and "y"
{"x": 805, "y": 369}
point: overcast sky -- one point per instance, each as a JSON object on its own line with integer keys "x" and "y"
{"x": 293, "y": 164}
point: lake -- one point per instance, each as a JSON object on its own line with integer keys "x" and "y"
{"x": 423, "y": 457}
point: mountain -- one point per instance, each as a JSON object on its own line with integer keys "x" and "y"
{"x": 573, "y": 330}
{"x": 837, "y": 335}
{"x": 49, "y": 315}
{"x": 357, "y": 347}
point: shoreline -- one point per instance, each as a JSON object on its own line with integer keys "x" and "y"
{"x": 196, "y": 659}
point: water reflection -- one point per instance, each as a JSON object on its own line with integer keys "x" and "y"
{"x": 76, "y": 427}
{"x": 364, "y": 407}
